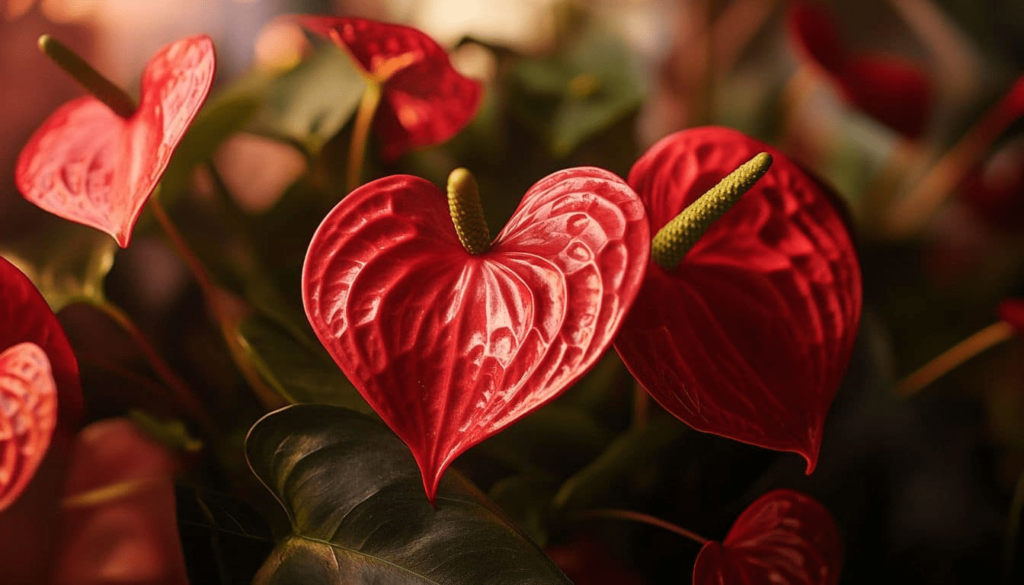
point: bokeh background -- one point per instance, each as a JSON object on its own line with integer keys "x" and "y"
{"x": 926, "y": 489}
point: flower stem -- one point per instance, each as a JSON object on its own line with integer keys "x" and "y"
{"x": 225, "y": 310}
{"x": 988, "y": 337}
{"x": 187, "y": 399}
{"x": 615, "y": 514}
{"x": 91, "y": 80}
{"x": 678, "y": 236}
{"x": 925, "y": 197}
{"x": 361, "y": 133}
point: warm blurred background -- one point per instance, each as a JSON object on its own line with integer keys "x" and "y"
{"x": 923, "y": 487}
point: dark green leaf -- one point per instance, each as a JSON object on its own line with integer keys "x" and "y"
{"x": 359, "y": 514}
{"x": 573, "y": 96}
{"x": 526, "y": 500}
{"x": 311, "y": 103}
{"x": 620, "y": 464}
{"x": 298, "y": 368}
{"x": 67, "y": 262}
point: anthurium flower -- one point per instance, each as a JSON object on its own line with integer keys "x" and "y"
{"x": 749, "y": 335}
{"x": 423, "y": 100}
{"x": 118, "y": 520}
{"x": 451, "y": 337}
{"x": 96, "y": 166}
{"x": 783, "y": 538}
{"x": 38, "y": 372}
{"x": 886, "y": 87}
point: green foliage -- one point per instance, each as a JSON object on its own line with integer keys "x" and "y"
{"x": 574, "y": 95}
{"x": 67, "y": 262}
{"x": 359, "y": 514}
{"x": 299, "y": 369}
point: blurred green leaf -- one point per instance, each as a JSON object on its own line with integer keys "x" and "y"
{"x": 359, "y": 514}
{"x": 619, "y": 465}
{"x": 66, "y": 261}
{"x": 223, "y": 115}
{"x": 172, "y": 433}
{"x": 526, "y": 500}
{"x": 311, "y": 103}
{"x": 573, "y": 96}
{"x": 300, "y": 369}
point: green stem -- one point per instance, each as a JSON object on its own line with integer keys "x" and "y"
{"x": 678, "y": 237}
{"x": 361, "y": 133}
{"x": 93, "y": 81}
{"x": 225, "y": 310}
{"x": 615, "y": 514}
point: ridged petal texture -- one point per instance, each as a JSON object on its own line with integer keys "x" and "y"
{"x": 89, "y": 165}
{"x": 750, "y": 336}
{"x": 888, "y": 88}
{"x": 425, "y": 101}
{"x": 450, "y": 348}
{"x": 783, "y": 538}
{"x": 28, "y": 416}
{"x": 39, "y": 386}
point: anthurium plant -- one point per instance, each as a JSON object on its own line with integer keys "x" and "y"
{"x": 635, "y": 381}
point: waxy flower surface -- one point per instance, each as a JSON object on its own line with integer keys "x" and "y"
{"x": 749, "y": 336}
{"x": 38, "y": 371}
{"x": 90, "y": 165}
{"x": 424, "y": 100}
{"x": 451, "y": 347}
{"x": 784, "y": 537}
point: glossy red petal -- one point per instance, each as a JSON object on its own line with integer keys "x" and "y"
{"x": 128, "y": 534}
{"x": 1012, "y": 312}
{"x": 28, "y": 416}
{"x": 816, "y": 36}
{"x": 450, "y": 348}
{"x": 894, "y": 91}
{"x": 27, "y": 318}
{"x": 750, "y": 336}
{"x": 90, "y": 166}
{"x": 783, "y": 538}
{"x": 425, "y": 101}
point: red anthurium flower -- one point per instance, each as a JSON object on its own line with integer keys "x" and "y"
{"x": 749, "y": 337}
{"x": 892, "y": 90}
{"x": 450, "y": 347}
{"x": 1011, "y": 311}
{"x": 425, "y": 101}
{"x": 783, "y": 538}
{"x": 119, "y": 524}
{"x": 38, "y": 371}
{"x": 29, "y": 397}
{"x": 90, "y": 165}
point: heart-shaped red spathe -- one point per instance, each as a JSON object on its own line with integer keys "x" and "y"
{"x": 91, "y": 166}
{"x": 890, "y": 89}
{"x": 783, "y": 538}
{"x": 28, "y": 416}
{"x": 27, "y": 318}
{"x": 750, "y": 336}
{"x": 448, "y": 347}
{"x": 424, "y": 100}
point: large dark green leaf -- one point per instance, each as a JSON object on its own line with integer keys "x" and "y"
{"x": 359, "y": 514}
{"x": 67, "y": 262}
{"x": 311, "y": 103}
{"x": 573, "y": 96}
{"x": 298, "y": 368}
